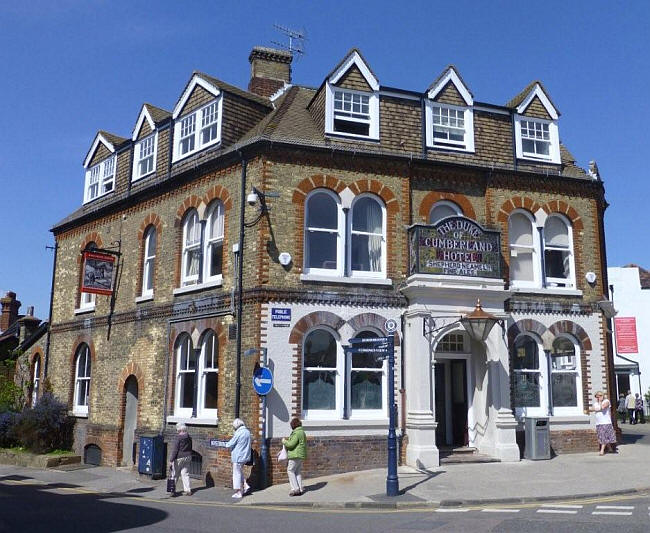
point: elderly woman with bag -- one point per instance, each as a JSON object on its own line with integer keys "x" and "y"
{"x": 240, "y": 454}
{"x": 180, "y": 459}
{"x": 296, "y": 446}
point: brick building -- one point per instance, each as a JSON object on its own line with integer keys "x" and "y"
{"x": 335, "y": 208}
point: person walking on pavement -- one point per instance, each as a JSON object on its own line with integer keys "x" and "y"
{"x": 630, "y": 405}
{"x": 638, "y": 409}
{"x": 296, "y": 446}
{"x": 181, "y": 457}
{"x": 604, "y": 428}
{"x": 620, "y": 408}
{"x": 240, "y": 454}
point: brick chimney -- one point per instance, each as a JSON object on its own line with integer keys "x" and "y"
{"x": 270, "y": 70}
{"x": 10, "y": 308}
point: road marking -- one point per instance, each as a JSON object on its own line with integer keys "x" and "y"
{"x": 556, "y": 511}
{"x": 561, "y": 506}
{"x": 615, "y": 507}
{"x": 613, "y": 513}
{"x": 451, "y": 510}
{"x": 500, "y": 510}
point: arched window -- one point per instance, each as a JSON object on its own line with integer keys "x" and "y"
{"x": 320, "y": 369}
{"x": 367, "y": 381}
{"x": 185, "y": 376}
{"x": 565, "y": 376}
{"x": 148, "y": 262}
{"x": 36, "y": 379}
{"x": 529, "y": 377}
{"x": 214, "y": 242}
{"x": 558, "y": 252}
{"x": 443, "y": 209}
{"x": 367, "y": 249}
{"x": 87, "y": 299}
{"x": 323, "y": 233}
{"x": 209, "y": 374}
{"x": 524, "y": 256}
{"x": 191, "y": 248}
{"x": 81, "y": 380}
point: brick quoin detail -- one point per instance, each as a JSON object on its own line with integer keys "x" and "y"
{"x": 150, "y": 220}
{"x": 434, "y": 197}
{"x": 297, "y": 336}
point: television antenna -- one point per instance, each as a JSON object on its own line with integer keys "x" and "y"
{"x": 296, "y": 40}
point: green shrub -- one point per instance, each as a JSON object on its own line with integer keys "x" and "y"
{"x": 11, "y": 395}
{"x": 7, "y": 425}
{"x": 46, "y": 426}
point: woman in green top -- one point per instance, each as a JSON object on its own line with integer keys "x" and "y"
{"x": 296, "y": 446}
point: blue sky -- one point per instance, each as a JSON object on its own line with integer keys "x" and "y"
{"x": 72, "y": 67}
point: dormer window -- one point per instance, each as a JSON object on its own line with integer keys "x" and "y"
{"x": 448, "y": 125}
{"x": 145, "y": 157}
{"x": 198, "y": 130}
{"x": 535, "y": 138}
{"x": 351, "y": 113}
{"x": 100, "y": 179}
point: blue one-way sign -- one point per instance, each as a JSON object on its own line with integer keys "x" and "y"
{"x": 262, "y": 381}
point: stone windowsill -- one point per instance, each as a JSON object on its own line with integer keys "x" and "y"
{"x": 346, "y": 280}
{"x": 83, "y": 310}
{"x": 144, "y": 298}
{"x": 198, "y": 287}
{"x": 192, "y": 421}
{"x": 551, "y": 291}
{"x": 78, "y": 414}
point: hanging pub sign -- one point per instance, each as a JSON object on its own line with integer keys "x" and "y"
{"x": 455, "y": 246}
{"x": 98, "y": 273}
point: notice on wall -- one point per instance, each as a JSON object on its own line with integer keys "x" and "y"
{"x": 455, "y": 246}
{"x": 281, "y": 317}
{"x": 626, "y": 340}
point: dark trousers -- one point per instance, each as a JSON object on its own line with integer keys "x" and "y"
{"x": 639, "y": 416}
{"x": 630, "y": 414}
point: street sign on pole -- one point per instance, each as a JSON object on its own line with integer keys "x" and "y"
{"x": 262, "y": 381}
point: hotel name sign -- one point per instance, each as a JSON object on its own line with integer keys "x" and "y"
{"x": 455, "y": 246}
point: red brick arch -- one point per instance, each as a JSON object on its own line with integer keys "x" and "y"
{"x": 516, "y": 202}
{"x": 378, "y": 188}
{"x": 570, "y": 327}
{"x": 529, "y": 325}
{"x": 220, "y": 193}
{"x": 434, "y": 197}
{"x": 192, "y": 201}
{"x": 373, "y": 320}
{"x": 560, "y": 206}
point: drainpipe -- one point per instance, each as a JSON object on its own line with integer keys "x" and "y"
{"x": 240, "y": 283}
{"x": 49, "y": 326}
{"x": 514, "y": 141}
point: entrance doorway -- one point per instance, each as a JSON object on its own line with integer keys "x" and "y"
{"x": 451, "y": 402}
{"x": 130, "y": 420}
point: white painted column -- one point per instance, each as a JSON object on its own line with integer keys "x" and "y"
{"x": 505, "y": 439}
{"x": 421, "y": 451}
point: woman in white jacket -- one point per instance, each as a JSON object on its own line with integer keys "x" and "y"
{"x": 240, "y": 454}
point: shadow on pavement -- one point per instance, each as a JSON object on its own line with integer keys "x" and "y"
{"x": 429, "y": 474}
{"x": 92, "y": 510}
{"x": 314, "y": 486}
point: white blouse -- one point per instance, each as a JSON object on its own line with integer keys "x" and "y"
{"x": 602, "y": 417}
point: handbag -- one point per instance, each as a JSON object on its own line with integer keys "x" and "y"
{"x": 282, "y": 456}
{"x": 171, "y": 480}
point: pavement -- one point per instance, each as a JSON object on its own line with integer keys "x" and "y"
{"x": 564, "y": 477}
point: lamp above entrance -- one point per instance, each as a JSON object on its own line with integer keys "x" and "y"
{"x": 478, "y": 323}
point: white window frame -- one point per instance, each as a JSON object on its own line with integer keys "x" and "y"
{"x": 36, "y": 379}
{"x": 543, "y": 379}
{"x": 444, "y": 203}
{"x": 535, "y": 248}
{"x": 467, "y": 144}
{"x": 185, "y": 412}
{"x": 204, "y": 370}
{"x": 340, "y": 238}
{"x": 80, "y": 405}
{"x": 578, "y": 409}
{"x": 192, "y": 279}
{"x": 339, "y": 374}
{"x": 216, "y": 208}
{"x": 554, "y": 140}
{"x": 197, "y": 134}
{"x": 381, "y": 274}
{"x": 373, "y": 116}
{"x": 367, "y": 414}
{"x": 149, "y": 261}
{"x": 138, "y": 157}
{"x": 561, "y": 283}
{"x": 100, "y": 177}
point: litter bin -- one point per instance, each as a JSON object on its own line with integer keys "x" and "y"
{"x": 150, "y": 458}
{"x": 538, "y": 438}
